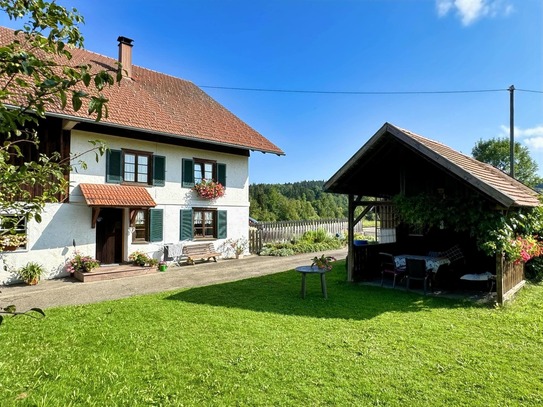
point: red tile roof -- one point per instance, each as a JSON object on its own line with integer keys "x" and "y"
{"x": 117, "y": 195}
{"x": 163, "y": 105}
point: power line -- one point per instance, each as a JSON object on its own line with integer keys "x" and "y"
{"x": 361, "y": 92}
{"x": 528, "y": 90}
{"x": 338, "y": 92}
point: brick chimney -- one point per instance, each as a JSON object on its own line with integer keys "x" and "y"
{"x": 125, "y": 55}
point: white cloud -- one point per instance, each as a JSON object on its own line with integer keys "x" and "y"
{"x": 470, "y": 11}
{"x": 532, "y": 137}
{"x": 443, "y": 7}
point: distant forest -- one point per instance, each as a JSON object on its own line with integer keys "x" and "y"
{"x": 297, "y": 201}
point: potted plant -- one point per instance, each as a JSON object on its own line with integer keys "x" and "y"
{"x": 31, "y": 273}
{"x": 209, "y": 189}
{"x": 323, "y": 262}
{"x": 10, "y": 242}
{"x": 140, "y": 258}
{"x": 81, "y": 263}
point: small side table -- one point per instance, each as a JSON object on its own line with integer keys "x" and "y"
{"x": 488, "y": 277}
{"x": 313, "y": 270}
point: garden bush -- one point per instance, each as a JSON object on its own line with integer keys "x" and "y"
{"x": 534, "y": 270}
{"x": 309, "y": 242}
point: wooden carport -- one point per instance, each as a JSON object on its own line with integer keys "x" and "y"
{"x": 395, "y": 161}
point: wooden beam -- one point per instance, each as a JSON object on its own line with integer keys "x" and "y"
{"x": 133, "y": 213}
{"x": 350, "y": 238}
{"x": 68, "y": 124}
{"x": 95, "y": 213}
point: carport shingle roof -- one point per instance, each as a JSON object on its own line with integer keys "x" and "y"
{"x": 494, "y": 183}
{"x": 482, "y": 175}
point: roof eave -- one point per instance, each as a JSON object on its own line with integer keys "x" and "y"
{"x": 178, "y": 136}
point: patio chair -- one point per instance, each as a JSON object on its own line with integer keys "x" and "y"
{"x": 388, "y": 267}
{"x": 449, "y": 276}
{"x": 415, "y": 269}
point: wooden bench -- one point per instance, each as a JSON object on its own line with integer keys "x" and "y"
{"x": 200, "y": 251}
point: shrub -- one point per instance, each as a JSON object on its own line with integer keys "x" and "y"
{"x": 302, "y": 246}
{"x": 234, "y": 246}
{"x": 534, "y": 270}
{"x": 315, "y": 236}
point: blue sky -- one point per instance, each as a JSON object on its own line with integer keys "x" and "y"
{"x": 394, "y": 53}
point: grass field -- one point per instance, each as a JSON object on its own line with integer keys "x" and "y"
{"x": 257, "y": 343}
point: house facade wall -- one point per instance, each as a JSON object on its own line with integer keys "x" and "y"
{"x": 51, "y": 242}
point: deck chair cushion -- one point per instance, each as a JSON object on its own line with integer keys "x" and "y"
{"x": 453, "y": 254}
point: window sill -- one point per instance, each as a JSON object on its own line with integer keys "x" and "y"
{"x": 136, "y": 184}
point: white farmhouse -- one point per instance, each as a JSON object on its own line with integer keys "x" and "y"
{"x": 164, "y": 135}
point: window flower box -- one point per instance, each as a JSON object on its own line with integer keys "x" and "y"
{"x": 209, "y": 189}
{"x": 11, "y": 242}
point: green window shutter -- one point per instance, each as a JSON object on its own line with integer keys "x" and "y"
{"x": 185, "y": 224}
{"x": 156, "y": 217}
{"x": 114, "y": 166}
{"x": 188, "y": 173}
{"x": 221, "y": 174}
{"x": 221, "y": 225}
{"x": 159, "y": 170}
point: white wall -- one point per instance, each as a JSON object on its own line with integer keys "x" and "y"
{"x": 50, "y": 243}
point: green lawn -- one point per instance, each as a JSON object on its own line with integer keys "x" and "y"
{"x": 257, "y": 343}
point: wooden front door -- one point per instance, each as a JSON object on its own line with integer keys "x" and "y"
{"x": 109, "y": 236}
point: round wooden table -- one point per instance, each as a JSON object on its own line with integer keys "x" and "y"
{"x": 313, "y": 270}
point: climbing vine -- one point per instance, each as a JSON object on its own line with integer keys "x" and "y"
{"x": 515, "y": 232}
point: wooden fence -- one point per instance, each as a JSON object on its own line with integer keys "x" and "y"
{"x": 509, "y": 278}
{"x": 283, "y": 231}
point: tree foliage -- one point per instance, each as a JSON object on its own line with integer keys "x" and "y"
{"x": 303, "y": 200}
{"x": 496, "y": 152}
{"x": 36, "y": 74}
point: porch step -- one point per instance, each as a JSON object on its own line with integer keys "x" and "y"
{"x": 112, "y": 272}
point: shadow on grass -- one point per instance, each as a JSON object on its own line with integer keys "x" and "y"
{"x": 281, "y": 294}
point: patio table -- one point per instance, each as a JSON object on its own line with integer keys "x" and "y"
{"x": 313, "y": 270}
{"x": 432, "y": 263}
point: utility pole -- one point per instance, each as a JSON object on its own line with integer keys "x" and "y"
{"x": 512, "y": 130}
